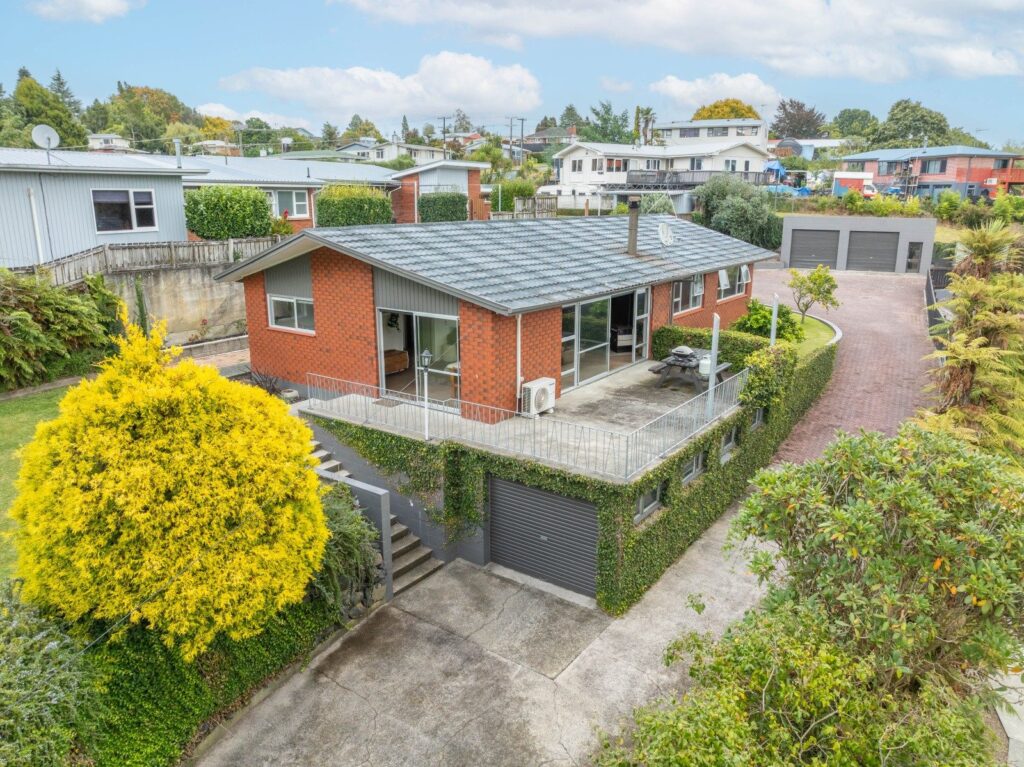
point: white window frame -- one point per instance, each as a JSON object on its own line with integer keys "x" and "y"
{"x": 295, "y": 301}
{"x": 653, "y": 164}
{"x": 694, "y": 294}
{"x": 131, "y": 204}
{"x": 718, "y": 132}
{"x": 729, "y": 165}
{"x": 275, "y": 204}
{"x": 643, "y": 511}
{"x": 577, "y": 166}
{"x": 730, "y": 441}
{"x": 728, "y": 289}
{"x": 693, "y": 469}
{"x": 696, "y": 163}
{"x": 380, "y": 154}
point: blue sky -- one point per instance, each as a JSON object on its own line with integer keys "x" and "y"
{"x": 315, "y": 60}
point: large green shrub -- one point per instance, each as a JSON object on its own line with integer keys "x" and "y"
{"x": 741, "y": 210}
{"x": 733, "y": 346}
{"x": 1008, "y": 208}
{"x": 46, "y": 687}
{"x": 758, "y": 322}
{"x": 443, "y": 206}
{"x": 947, "y": 207}
{"x": 657, "y": 203}
{"x": 352, "y": 205}
{"x": 503, "y": 195}
{"x": 220, "y": 212}
{"x": 46, "y": 331}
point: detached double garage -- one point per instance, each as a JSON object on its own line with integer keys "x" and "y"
{"x": 860, "y": 243}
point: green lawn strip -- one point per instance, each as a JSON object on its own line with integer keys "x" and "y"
{"x": 18, "y": 419}
{"x": 816, "y": 335}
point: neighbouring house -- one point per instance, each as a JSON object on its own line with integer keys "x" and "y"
{"x": 607, "y": 173}
{"x": 333, "y": 155}
{"x": 461, "y": 176}
{"x": 555, "y": 136}
{"x": 371, "y": 151}
{"x": 808, "y": 148}
{"x": 927, "y": 171}
{"x": 108, "y": 142}
{"x": 58, "y": 203}
{"x": 864, "y": 243}
{"x": 218, "y": 147}
{"x": 751, "y": 130}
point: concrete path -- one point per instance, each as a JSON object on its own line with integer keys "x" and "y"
{"x": 469, "y": 668}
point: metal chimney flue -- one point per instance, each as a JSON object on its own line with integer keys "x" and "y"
{"x": 177, "y": 152}
{"x": 634, "y": 224}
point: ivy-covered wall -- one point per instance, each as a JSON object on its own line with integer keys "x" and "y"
{"x": 630, "y": 557}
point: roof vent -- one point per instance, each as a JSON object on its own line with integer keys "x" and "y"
{"x": 634, "y": 224}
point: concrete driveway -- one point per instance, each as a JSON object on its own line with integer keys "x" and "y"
{"x": 469, "y": 668}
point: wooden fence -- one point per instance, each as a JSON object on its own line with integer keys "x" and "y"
{"x": 110, "y": 259}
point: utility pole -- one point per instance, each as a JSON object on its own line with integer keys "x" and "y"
{"x": 444, "y": 132}
{"x": 522, "y": 120}
{"x": 510, "y": 158}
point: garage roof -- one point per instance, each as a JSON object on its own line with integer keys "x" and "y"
{"x": 518, "y": 266}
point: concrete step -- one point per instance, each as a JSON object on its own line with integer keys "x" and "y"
{"x": 416, "y": 574}
{"x": 398, "y": 531}
{"x": 331, "y": 465}
{"x": 322, "y": 455}
{"x": 402, "y": 545}
{"x": 409, "y": 560}
{"x": 314, "y": 445}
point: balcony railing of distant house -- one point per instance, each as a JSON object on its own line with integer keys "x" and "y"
{"x": 682, "y": 179}
{"x": 615, "y": 455}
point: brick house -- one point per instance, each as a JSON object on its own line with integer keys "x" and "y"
{"x": 927, "y": 171}
{"x": 497, "y": 303}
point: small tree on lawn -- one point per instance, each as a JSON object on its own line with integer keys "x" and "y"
{"x": 166, "y": 494}
{"x": 815, "y": 287}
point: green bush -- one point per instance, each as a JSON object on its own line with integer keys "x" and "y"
{"x": 503, "y": 195}
{"x": 220, "y": 212}
{"x": 734, "y": 207}
{"x": 657, "y": 203}
{"x": 853, "y": 202}
{"x": 947, "y": 207}
{"x": 1008, "y": 208}
{"x": 733, "y": 346}
{"x": 46, "y": 331}
{"x": 443, "y": 206}
{"x": 47, "y": 688}
{"x": 281, "y": 226}
{"x": 352, "y": 205}
{"x": 758, "y": 322}
{"x": 974, "y": 215}
{"x": 349, "y": 564}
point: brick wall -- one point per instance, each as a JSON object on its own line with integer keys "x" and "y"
{"x": 403, "y": 200}
{"x": 487, "y": 355}
{"x": 479, "y": 209}
{"x": 298, "y": 224}
{"x": 344, "y": 344}
{"x": 541, "y": 339}
{"x": 729, "y": 309}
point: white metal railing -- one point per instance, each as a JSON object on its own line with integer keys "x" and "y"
{"x": 587, "y": 449}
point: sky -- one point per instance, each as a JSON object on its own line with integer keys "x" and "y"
{"x": 308, "y": 61}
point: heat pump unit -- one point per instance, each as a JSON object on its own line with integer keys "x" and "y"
{"x": 539, "y": 396}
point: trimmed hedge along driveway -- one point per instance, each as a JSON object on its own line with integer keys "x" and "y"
{"x": 470, "y": 668}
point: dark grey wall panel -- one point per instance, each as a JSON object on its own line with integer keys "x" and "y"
{"x": 392, "y": 291}
{"x": 812, "y": 247}
{"x": 544, "y": 534}
{"x": 292, "y": 278}
{"x": 873, "y": 251}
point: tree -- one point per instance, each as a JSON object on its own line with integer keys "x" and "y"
{"x": 725, "y": 109}
{"x": 167, "y": 494}
{"x": 220, "y": 211}
{"x": 462, "y": 123}
{"x": 96, "y": 116}
{"x": 59, "y": 87}
{"x": 405, "y": 128}
{"x": 38, "y": 105}
{"x": 495, "y": 154}
{"x": 13, "y": 131}
{"x": 429, "y": 131}
{"x": 219, "y": 129}
{"x": 794, "y": 119}
{"x": 329, "y": 135}
{"x": 751, "y": 219}
{"x": 647, "y": 118}
{"x": 256, "y": 135}
{"x": 184, "y": 132}
{"x": 23, "y": 73}
{"x": 359, "y": 128}
{"x": 606, "y": 125}
{"x": 815, "y": 287}
{"x": 657, "y": 203}
{"x": 909, "y": 124}
{"x": 545, "y": 123}
{"x": 570, "y": 117}
{"x": 853, "y": 122}
{"x": 960, "y": 137}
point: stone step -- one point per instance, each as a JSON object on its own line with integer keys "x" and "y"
{"x": 322, "y": 455}
{"x": 398, "y": 531}
{"x": 403, "y": 544}
{"x": 314, "y": 445}
{"x": 409, "y": 560}
{"x": 331, "y": 465}
{"x": 417, "y": 574}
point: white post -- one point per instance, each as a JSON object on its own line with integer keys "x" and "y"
{"x": 712, "y": 374}
{"x": 775, "y": 318}
{"x": 425, "y": 358}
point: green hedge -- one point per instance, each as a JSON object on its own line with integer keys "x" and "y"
{"x": 443, "y": 206}
{"x": 733, "y": 346}
{"x": 503, "y": 195}
{"x": 220, "y": 211}
{"x": 630, "y": 558}
{"x": 352, "y": 205}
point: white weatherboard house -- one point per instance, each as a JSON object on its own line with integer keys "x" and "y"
{"x": 688, "y": 132}
{"x": 58, "y": 203}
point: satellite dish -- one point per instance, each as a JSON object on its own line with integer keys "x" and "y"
{"x": 666, "y": 235}
{"x": 45, "y": 137}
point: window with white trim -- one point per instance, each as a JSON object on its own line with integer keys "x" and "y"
{"x": 293, "y": 202}
{"x": 693, "y": 468}
{"x": 597, "y": 165}
{"x": 718, "y": 132}
{"x": 688, "y": 294}
{"x": 653, "y": 165}
{"x": 124, "y": 210}
{"x": 689, "y": 132}
{"x": 290, "y": 312}
{"x": 615, "y": 165}
{"x": 730, "y": 441}
{"x": 696, "y": 163}
{"x": 577, "y": 166}
{"x": 746, "y": 130}
{"x": 933, "y": 166}
{"x": 732, "y": 281}
{"x": 730, "y": 165}
{"x": 380, "y": 154}
{"x": 650, "y": 502}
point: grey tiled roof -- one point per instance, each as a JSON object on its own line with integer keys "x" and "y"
{"x": 516, "y": 266}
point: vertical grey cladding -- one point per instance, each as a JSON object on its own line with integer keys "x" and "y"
{"x": 292, "y": 278}
{"x": 64, "y": 209}
{"x": 392, "y": 291}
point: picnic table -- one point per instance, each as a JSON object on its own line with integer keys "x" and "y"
{"x": 684, "y": 364}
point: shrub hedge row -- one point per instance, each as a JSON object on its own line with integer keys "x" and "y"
{"x": 443, "y": 206}
{"x": 220, "y": 211}
{"x": 733, "y": 346}
{"x": 352, "y": 205}
{"x": 630, "y": 558}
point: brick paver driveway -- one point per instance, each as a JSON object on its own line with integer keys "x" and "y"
{"x": 880, "y": 374}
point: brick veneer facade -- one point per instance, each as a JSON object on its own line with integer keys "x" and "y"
{"x": 344, "y": 345}
{"x": 403, "y": 200}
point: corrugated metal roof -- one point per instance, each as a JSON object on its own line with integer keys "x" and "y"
{"x": 262, "y": 171}
{"x": 661, "y": 150}
{"x": 897, "y": 155}
{"x": 59, "y": 161}
{"x": 517, "y": 266}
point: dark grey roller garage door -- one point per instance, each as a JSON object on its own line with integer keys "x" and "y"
{"x": 544, "y": 534}
{"x": 811, "y": 247}
{"x": 873, "y": 251}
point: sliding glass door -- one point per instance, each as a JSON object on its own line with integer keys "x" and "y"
{"x": 441, "y": 336}
{"x": 641, "y": 323}
{"x": 403, "y": 337}
{"x": 594, "y": 339}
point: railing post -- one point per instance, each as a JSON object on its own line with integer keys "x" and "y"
{"x": 709, "y": 411}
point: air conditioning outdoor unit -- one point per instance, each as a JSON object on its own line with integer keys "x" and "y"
{"x": 539, "y": 396}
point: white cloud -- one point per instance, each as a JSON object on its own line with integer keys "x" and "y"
{"x": 747, "y": 87}
{"x": 443, "y": 82}
{"x": 96, "y": 11}
{"x": 615, "y": 85}
{"x": 878, "y": 40}
{"x": 214, "y": 109}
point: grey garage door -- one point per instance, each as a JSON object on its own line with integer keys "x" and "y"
{"x": 811, "y": 247}
{"x": 873, "y": 251}
{"x": 544, "y": 534}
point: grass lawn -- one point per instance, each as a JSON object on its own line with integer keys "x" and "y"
{"x": 18, "y": 419}
{"x": 947, "y": 233}
{"x": 816, "y": 335}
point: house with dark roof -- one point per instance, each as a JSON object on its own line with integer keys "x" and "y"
{"x": 927, "y": 171}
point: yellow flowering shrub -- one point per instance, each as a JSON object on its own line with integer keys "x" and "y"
{"x": 168, "y": 495}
